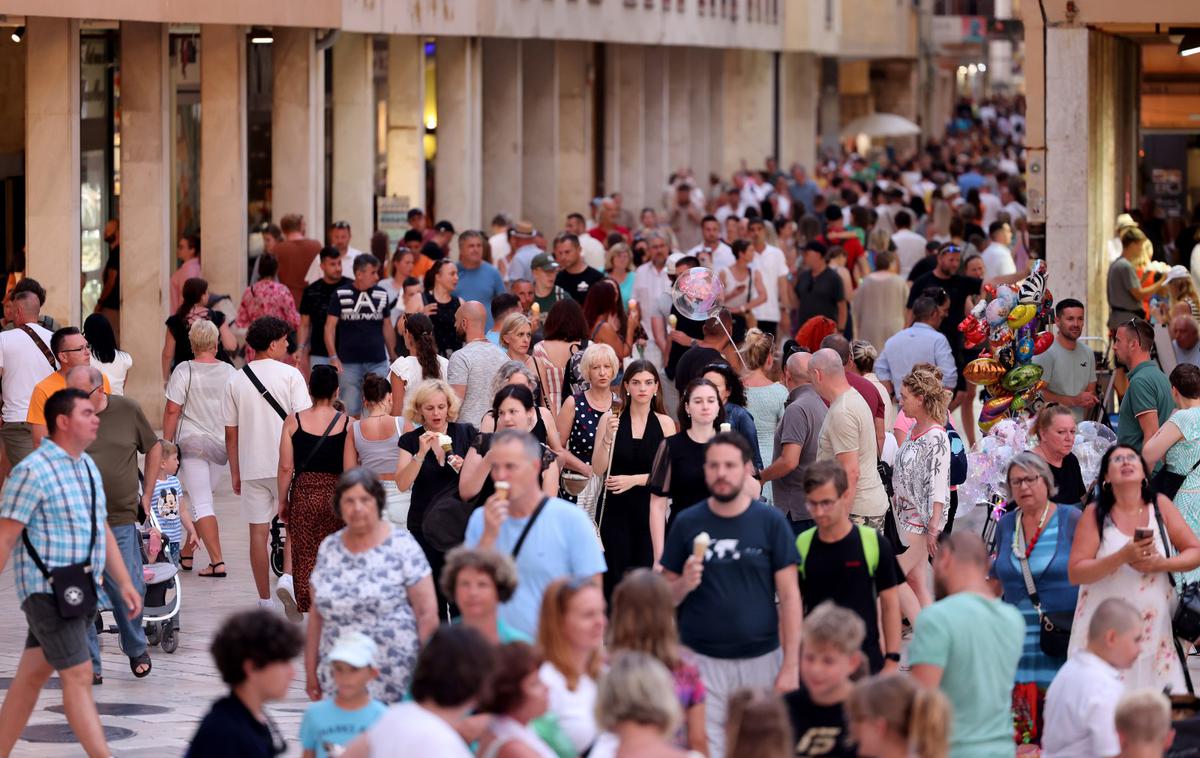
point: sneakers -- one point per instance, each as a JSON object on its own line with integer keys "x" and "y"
{"x": 285, "y": 591}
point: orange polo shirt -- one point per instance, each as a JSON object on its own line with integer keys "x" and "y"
{"x": 42, "y": 393}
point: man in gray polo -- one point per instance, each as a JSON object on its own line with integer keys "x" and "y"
{"x": 796, "y": 442}
{"x": 1068, "y": 367}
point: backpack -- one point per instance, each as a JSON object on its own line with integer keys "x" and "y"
{"x": 958, "y": 457}
{"x": 870, "y": 545}
{"x": 573, "y": 378}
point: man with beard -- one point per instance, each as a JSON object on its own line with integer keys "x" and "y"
{"x": 726, "y": 559}
{"x": 1068, "y": 367}
{"x": 975, "y": 671}
{"x": 472, "y": 366}
{"x": 959, "y": 287}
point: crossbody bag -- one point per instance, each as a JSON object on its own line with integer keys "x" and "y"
{"x": 1185, "y": 623}
{"x": 266, "y": 394}
{"x": 73, "y": 585}
{"x": 1055, "y": 635}
{"x": 298, "y": 470}
{"x": 41, "y": 346}
{"x": 1169, "y": 482}
{"x": 528, "y": 525}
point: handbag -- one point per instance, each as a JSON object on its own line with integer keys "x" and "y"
{"x": 201, "y": 445}
{"x": 1168, "y": 482}
{"x": 297, "y": 471}
{"x": 73, "y": 586}
{"x": 1055, "y": 634}
{"x": 1185, "y": 622}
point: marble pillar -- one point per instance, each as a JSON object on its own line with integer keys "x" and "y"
{"x": 539, "y": 147}
{"x": 406, "y": 119}
{"x": 503, "y": 140}
{"x": 799, "y": 90}
{"x": 298, "y": 133}
{"x": 353, "y": 176}
{"x": 656, "y": 81}
{"x": 576, "y": 130}
{"x": 625, "y": 142}
{"x": 459, "y": 157}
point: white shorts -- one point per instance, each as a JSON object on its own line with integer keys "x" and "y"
{"x": 260, "y": 500}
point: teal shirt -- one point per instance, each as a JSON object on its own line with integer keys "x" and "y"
{"x": 977, "y": 643}
{"x": 326, "y": 725}
{"x": 505, "y": 632}
{"x": 1149, "y": 390}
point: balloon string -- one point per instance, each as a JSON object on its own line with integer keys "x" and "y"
{"x": 733, "y": 344}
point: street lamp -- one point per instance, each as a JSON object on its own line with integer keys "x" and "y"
{"x": 17, "y": 34}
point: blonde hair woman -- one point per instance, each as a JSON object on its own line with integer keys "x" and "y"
{"x": 765, "y": 397}
{"x": 516, "y": 335}
{"x": 637, "y": 708}
{"x": 579, "y": 418}
{"x": 921, "y": 475}
{"x": 891, "y": 716}
{"x": 1182, "y": 290}
{"x": 862, "y": 360}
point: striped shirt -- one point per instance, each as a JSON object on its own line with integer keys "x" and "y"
{"x": 49, "y": 493}
{"x": 166, "y": 502}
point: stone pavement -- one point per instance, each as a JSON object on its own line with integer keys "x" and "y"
{"x": 181, "y": 685}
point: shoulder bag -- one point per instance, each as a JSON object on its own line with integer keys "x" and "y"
{"x": 1168, "y": 482}
{"x": 266, "y": 394}
{"x": 1055, "y": 635}
{"x": 73, "y": 586}
{"x": 1185, "y": 623}
{"x": 201, "y": 445}
{"x": 298, "y": 470}
{"x": 41, "y": 346}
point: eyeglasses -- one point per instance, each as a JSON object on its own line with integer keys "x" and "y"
{"x": 341, "y": 225}
{"x": 1126, "y": 458}
{"x": 96, "y": 389}
{"x": 76, "y": 349}
{"x": 1025, "y": 481}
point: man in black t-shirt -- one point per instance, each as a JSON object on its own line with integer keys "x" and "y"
{"x": 358, "y": 332}
{"x": 819, "y": 289}
{"x": 831, "y": 655}
{"x": 314, "y": 307}
{"x": 958, "y": 288}
{"x": 574, "y": 276}
{"x": 851, "y": 567}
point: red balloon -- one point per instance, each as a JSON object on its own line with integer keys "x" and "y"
{"x": 989, "y": 290}
{"x": 968, "y": 324}
{"x": 978, "y": 333}
{"x": 1042, "y": 343}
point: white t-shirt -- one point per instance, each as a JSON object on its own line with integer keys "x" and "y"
{"x": 259, "y": 426}
{"x": 910, "y": 248}
{"x": 23, "y": 365}
{"x": 314, "y": 269}
{"x": 772, "y": 263}
{"x": 991, "y": 207}
{"x": 1080, "y": 708}
{"x": 408, "y": 368}
{"x": 115, "y": 371}
{"x": 574, "y": 710}
{"x": 648, "y": 283}
{"x": 200, "y": 389}
{"x": 998, "y": 261}
{"x": 500, "y": 246}
{"x": 592, "y": 251}
{"x": 408, "y": 729}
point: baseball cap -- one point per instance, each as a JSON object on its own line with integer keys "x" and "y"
{"x": 354, "y": 648}
{"x": 544, "y": 262}
{"x": 672, "y": 259}
{"x": 444, "y": 226}
{"x": 1177, "y": 272}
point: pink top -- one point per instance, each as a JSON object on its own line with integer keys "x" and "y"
{"x": 189, "y": 269}
{"x": 266, "y": 297}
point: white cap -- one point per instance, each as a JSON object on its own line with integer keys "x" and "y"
{"x": 1177, "y": 272}
{"x": 1124, "y": 220}
{"x": 354, "y": 648}
{"x": 672, "y": 259}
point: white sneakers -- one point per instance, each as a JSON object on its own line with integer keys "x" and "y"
{"x": 285, "y": 591}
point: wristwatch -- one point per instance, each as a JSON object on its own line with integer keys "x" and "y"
{"x": 892, "y": 657}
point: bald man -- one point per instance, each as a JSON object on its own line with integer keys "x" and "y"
{"x": 848, "y": 434}
{"x": 474, "y": 364}
{"x": 796, "y": 441}
{"x": 1185, "y": 338}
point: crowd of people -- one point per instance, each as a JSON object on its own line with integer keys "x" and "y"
{"x": 532, "y": 508}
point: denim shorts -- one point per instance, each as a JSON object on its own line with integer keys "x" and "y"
{"x": 64, "y": 642}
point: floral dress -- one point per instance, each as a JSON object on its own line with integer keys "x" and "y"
{"x": 920, "y": 478}
{"x": 1180, "y": 458}
{"x": 368, "y": 592}
{"x": 1157, "y": 665}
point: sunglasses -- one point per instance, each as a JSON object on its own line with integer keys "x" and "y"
{"x": 341, "y": 225}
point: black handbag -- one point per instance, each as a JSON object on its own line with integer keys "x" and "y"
{"x": 1168, "y": 482}
{"x": 1185, "y": 623}
{"x": 1055, "y": 637}
{"x": 73, "y": 585}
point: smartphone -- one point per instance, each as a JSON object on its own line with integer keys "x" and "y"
{"x": 1142, "y": 534}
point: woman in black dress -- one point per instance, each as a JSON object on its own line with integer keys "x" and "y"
{"x": 424, "y": 467}
{"x": 678, "y": 471}
{"x": 624, "y": 513}
{"x": 1056, "y": 438}
{"x": 512, "y": 408}
{"x": 441, "y": 305}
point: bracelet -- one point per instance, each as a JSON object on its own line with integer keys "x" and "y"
{"x": 892, "y": 657}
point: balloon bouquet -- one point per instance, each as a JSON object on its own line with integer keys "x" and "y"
{"x": 698, "y": 294}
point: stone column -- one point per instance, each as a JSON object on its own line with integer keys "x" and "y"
{"x": 701, "y": 107}
{"x": 626, "y": 139}
{"x": 657, "y": 86}
{"x": 52, "y": 163}
{"x": 749, "y": 111}
{"x": 406, "y": 119}
{"x": 353, "y": 137}
{"x": 460, "y": 107}
{"x": 539, "y": 106}
{"x": 223, "y": 224}
{"x": 503, "y": 140}
{"x": 298, "y": 136}
{"x": 679, "y": 109}
{"x": 576, "y": 131}
{"x": 146, "y": 244}
{"x": 799, "y": 92}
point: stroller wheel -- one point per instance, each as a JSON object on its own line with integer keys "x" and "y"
{"x": 152, "y": 634}
{"x": 170, "y": 639}
{"x": 276, "y": 548}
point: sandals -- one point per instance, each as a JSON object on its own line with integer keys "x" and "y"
{"x": 185, "y": 562}
{"x": 212, "y": 571}
{"x": 141, "y": 660}
{"x": 97, "y": 679}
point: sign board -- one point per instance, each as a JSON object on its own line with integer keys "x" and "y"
{"x": 391, "y": 217}
{"x": 955, "y": 30}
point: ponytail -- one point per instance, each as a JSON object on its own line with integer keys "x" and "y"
{"x": 420, "y": 328}
{"x": 928, "y": 736}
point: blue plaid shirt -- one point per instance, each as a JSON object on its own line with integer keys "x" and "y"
{"x": 50, "y": 494}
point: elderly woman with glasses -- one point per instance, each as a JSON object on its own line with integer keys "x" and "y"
{"x": 1035, "y": 539}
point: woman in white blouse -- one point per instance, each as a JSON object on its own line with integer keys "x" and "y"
{"x": 422, "y": 362}
{"x": 110, "y": 361}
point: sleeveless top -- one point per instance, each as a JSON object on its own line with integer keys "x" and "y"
{"x": 583, "y": 431}
{"x": 328, "y": 459}
{"x": 538, "y": 430}
{"x": 730, "y": 281}
{"x": 379, "y": 456}
{"x": 444, "y": 333}
{"x": 632, "y": 455}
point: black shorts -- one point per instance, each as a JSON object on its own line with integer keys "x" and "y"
{"x": 64, "y": 642}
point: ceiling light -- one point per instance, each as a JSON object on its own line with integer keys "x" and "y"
{"x": 1190, "y": 45}
{"x": 982, "y": 68}
{"x": 17, "y": 34}
{"x": 261, "y": 35}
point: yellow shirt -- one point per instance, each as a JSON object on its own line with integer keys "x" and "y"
{"x": 42, "y": 393}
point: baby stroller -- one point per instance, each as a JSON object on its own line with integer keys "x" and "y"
{"x": 162, "y": 599}
{"x": 278, "y": 540}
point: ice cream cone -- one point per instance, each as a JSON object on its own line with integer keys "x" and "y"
{"x": 700, "y": 544}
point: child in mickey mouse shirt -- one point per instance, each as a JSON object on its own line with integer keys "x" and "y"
{"x": 174, "y": 520}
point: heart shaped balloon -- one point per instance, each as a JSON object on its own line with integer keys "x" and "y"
{"x": 967, "y": 324}
{"x": 1042, "y": 343}
{"x": 977, "y": 335}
